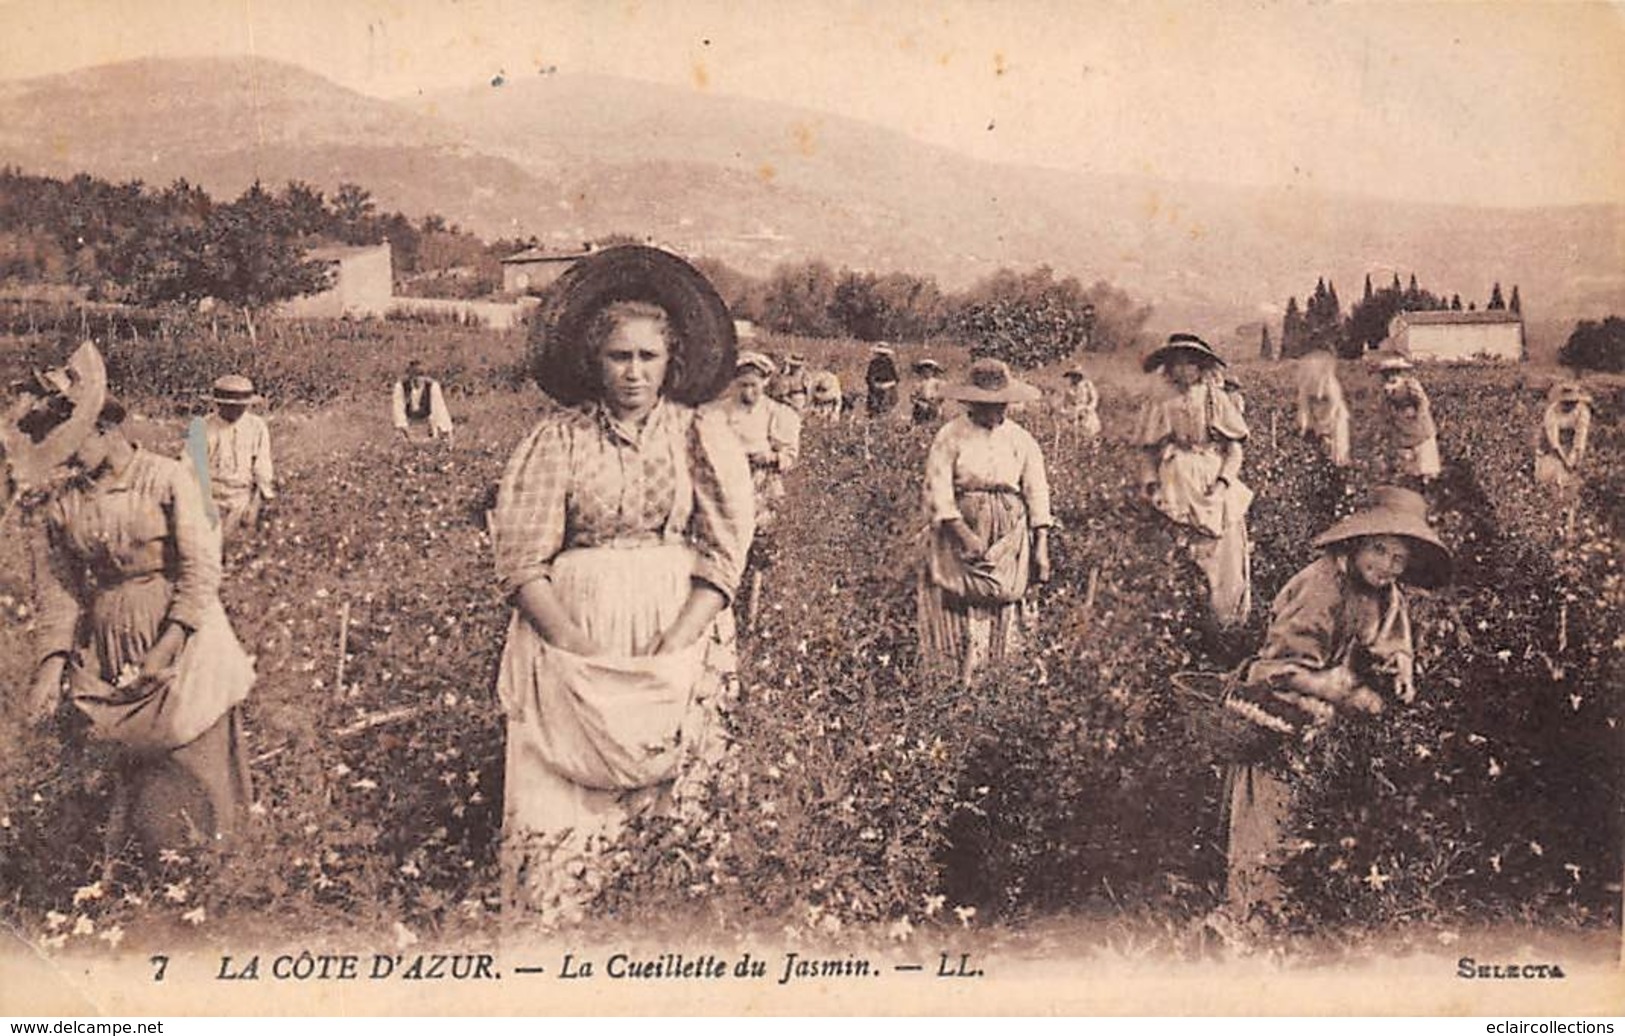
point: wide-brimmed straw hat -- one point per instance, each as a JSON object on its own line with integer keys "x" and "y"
{"x": 990, "y": 381}
{"x": 51, "y": 415}
{"x": 235, "y": 390}
{"x": 1181, "y": 344}
{"x": 1394, "y": 511}
{"x": 826, "y": 387}
{"x": 1393, "y": 363}
{"x": 795, "y": 360}
{"x": 1073, "y": 374}
{"x": 881, "y": 349}
{"x": 703, "y": 337}
{"x": 750, "y": 359}
{"x": 927, "y": 364}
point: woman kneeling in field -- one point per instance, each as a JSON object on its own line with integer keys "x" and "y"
{"x": 1339, "y": 638}
{"x": 621, "y": 529}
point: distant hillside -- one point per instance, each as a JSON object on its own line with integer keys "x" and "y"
{"x": 755, "y": 183}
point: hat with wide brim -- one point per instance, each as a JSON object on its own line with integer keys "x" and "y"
{"x": 234, "y": 390}
{"x": 702, "y": 332}
{"x": 795, "y": 360}
{"x": 1073, "y": 374}
{"x": 1181, "y": 346}
{"x": 927, "y": 364}
{"x": 1394, "y": 511}
{"x": 52, "y": 415}
{"x": 1393, "y": 363}
{"x": 990, "y": 381}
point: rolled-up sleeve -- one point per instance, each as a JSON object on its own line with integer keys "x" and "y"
{"x": 197, "y": 550}
{"x": 527, "y": 524}
{"x": 724, "y": 519}
{"x": 1035, "y": 483}
{"x": 57, "y": 590}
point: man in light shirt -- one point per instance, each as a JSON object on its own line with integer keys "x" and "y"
{"x": 241, "y": 475}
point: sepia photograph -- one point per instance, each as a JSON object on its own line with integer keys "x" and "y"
{"x": 812, "y": 508}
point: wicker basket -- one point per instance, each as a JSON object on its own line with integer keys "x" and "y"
{"x": 1241, "y": 724}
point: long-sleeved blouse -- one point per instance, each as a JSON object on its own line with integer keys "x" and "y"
{"x": 583, "y": 479}
{"x": 966, "y": 456}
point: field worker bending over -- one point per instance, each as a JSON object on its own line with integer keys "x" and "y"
{"x": 1565, "y": 431}
{"x": 926, "y": 399}
{"x": 1080, "y": 408}
{"x": 418, "y": 406}
{"x": 771, "y": 434}
{"x": 826, "y": 400}
{"x": 1413, "y": 438}
{"x": 1190, "y": 439}
{"x": 793, "y": 386}
{"x": 241, "y": 475}
{"x": 987, "y": 501}
{"x": 1339, "y": 640}
{"x": 130, "y": 627}
{"x": 1323, "y": 415}
{"x": 881, "y": 380}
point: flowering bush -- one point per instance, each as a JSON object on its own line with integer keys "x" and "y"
{"x": 863, "y": 791}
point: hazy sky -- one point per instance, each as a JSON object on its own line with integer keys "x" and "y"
{"x": 1489, "y": 103}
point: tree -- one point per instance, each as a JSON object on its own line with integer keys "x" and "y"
{"x": 1516, "y": 305}
{"x": 250, "y": 258}
{"x": 798, "y": 297}
{"x": 1496, "y": 301}
{"x": 1455, "y": 302}
{"x": 1029, "y": 319}
{"x": 1595, "y": 346}
{"x": 1266, "y": 348}
{"x": 1291, "y": 330}
{"x": 353, "y": 215}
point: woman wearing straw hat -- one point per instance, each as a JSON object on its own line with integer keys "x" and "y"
{"x": 620, "y": 532}
{"x": 792, "y": 386}
{"x": 987, "y": 501}
{"x": 1339, "y": 638}
{"x": 1413, "y": 438}
{"x": 241, "y": 474}
{"x": 130, "y": 618}
{"x": 1190, "y": 438}
{"x": 1565, "y": 431}
{"x": 926, "y": 399}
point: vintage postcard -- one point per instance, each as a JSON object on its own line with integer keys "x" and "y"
{"x": 812, "y": 508}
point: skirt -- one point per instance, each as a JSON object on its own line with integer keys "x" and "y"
{"x": 1257, "y": 807}
{"x": 1218, "y": 539}
{"x": 593, "y": 742}
{"x": 182, "y": 772}
{"x": 971, "y": 613}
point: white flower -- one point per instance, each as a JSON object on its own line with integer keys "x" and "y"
{"x": 1376, "y": 879}
{"x": 934, "y": 905}
{"x": 84, "y": 926}
{"x": 901, "y": 930}
{"x": 112, "y": 936}
{"x": 91, "y": 891}
{"x": 404, "y": 936}
{"x": 54, "y": 920}
{"x": 175, "y": 893}
{"x": 194, "y": 917}
{"x": 965, "y": 913}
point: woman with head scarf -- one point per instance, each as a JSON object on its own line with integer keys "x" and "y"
{"x": 926, "y": 399}
{"x": 127, "y": 571}
{"x": 1339, "y": 641}
{"x": 1323, "y": 415}
{"x": 988, "y": 504}
{"x": 621, "y": 529}
{"x": 1413, "y": 438}
{"x": 1565, "y": 432}
{"x": 1190, "y": 438}
{"x": 1079, "y": 410}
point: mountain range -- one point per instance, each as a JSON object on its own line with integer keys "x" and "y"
{"x": 571, "y": 157}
